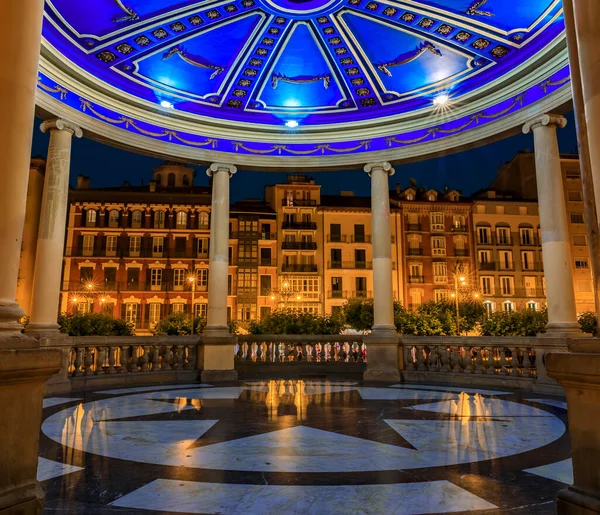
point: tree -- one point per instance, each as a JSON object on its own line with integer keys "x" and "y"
{"x": 94, "y": 324}
{"x": 514, "y": 323}
{"x": 291, "y": 322}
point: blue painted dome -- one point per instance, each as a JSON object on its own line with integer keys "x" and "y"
{"x": 315, "y": 62}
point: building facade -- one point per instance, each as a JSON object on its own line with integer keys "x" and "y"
{"x": 132, "y": 251}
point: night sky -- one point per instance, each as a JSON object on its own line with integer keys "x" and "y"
{"x": 466, "y": 171}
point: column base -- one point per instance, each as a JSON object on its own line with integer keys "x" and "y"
{"x": 39, "y": 330}
{"x": 23, "y": 373}
{"x": 573, "y": 502}
{"x": 562, "y": 330}
{"x": 382, "y": 355}
{"x": 216, "y": 355}
{"x": 10, "y": 313}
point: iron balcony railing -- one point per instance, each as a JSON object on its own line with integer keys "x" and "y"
{"x": 299, "y": 245}
{"x": 414, "y": 251}
{"x": 310, "y": 269}
{"x": 310, "y": 226}
{"x": 351, "y": 265}
{"x": 298, "y": 202}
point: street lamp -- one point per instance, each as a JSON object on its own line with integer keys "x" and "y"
{"x": 192, "y": 280}
{"x": 461, "y": 285}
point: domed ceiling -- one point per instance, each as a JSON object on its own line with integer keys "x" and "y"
{"x": 277, "y": 73}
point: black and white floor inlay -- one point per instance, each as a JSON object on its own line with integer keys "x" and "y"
{"x": 304, "y": 447}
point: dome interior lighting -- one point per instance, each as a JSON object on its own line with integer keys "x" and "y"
{"x": 166, "y": 104}
{"x": 441, "y": 100}
{"x": 291, "y": 124}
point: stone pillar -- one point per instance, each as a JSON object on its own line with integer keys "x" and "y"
{"x": 30, "y": 233}
{"x": 578, "y": 371}
{"x": 51, "y": 233}
{"x": 587, "y": 17}
{"x": 216, "y": 361}
{"x": 382, "y": 343}
{"x": 23, "y": 366}
{"x": 556, "y": 242}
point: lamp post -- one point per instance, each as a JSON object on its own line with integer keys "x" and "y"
{"x": 192, "y": 281}
{"x": 458, "y": 278}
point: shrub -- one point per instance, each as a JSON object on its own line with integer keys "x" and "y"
{"x": 588, "y": 323}
{"x": 180, "y": 324}
{"x": 514, "y": 323}
{"x": 94, "y": 324}
{"x": 289, "y": 322}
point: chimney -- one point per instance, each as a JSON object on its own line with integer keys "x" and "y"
{"x": 152, "y": 186}
{"x": 83, "y": 182}
{"x": 491, "y": 194}
{"x": 398, "y": 189}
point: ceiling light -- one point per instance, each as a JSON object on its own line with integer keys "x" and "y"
{"x": 166, "y": 104}
{"x": 441, "y": 99}
{"x": 291, "y": 124}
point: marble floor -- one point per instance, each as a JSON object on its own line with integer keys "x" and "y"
{"x": 304, "y": 447}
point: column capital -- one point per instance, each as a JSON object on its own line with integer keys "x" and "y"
{"x": 221, "y": 167}
{"x": 545, "y": 120}
{"x": 385, "y": 166}
{"x": 60, "y": 124}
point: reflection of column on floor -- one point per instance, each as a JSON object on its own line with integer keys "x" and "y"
{"x": 24, "y": 366}
{"x": 382, "y": 343}
{"x": 51, "y": 233}
{"x": 556, "y": 244}
{"x": 216, "y": 360}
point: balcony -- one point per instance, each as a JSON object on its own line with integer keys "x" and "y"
{"x": 411, "y": 251}
{"x": 416, "y": 279}
{"x": 303, "y": 269}
{"x": 337, "y": 294}
{"x": 298, "y": 203}
{"x": 360, "y": 238}
{"x": 350, "y": 265}
{"x": 268, "y": 235}
{"x": 309, "y": 226}
{"x": 489, "y": 266}
{"x": 361, "y": 294}
{"x": 413, "y": 227}
{"x": 337, "y": 238}
{"x": 267, "y": 262}
{"x": 461, "y": 252}
{"x": 299, "y": 245}
{"x": 459, "y": 228}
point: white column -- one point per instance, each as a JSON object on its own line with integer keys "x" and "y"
{"x": 587, "y": 21}
{"x": 219, "y": 248}
{"x": 556, "y": 243}
{"x": 383, "y": 290}
{"x": 51, "y": 232}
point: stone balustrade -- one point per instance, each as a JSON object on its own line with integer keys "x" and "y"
{"x": 301, "y": 348}
{"x": 93, "y": 361}
{"x": 517, "y": 362}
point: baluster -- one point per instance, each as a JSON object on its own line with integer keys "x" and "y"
{"x": 447, "y": 358}
{"x": 124, "y": 361}
{"x": 520, "y": 361}
{"x": 488, "y": 360}
{"x": 494, "y": 361}
{"x": 468, "y": 360}
{"x": 187, "y": 357}
{"x": 530, "y": 370}
{"x": 479, "y": 367}
{"x": 457, "y": 364}
{"x": 180, "y": 357}
{"x": 111, "y": 360}
{"x": 99, "y": 356}
{"x": 421, "y": 366}
{"x": 509, "y": 363}
{"x": 154, "y": 358}
{"x": 168, "y": 358}
{"x": 88, "y": 361}
{"x": 143, "y": 359}
{"x": 78, "y": 363}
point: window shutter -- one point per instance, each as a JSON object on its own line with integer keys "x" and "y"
{"x": 123, "y": 311}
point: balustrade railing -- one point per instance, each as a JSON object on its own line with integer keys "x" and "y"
{"x": 300, "y": 348}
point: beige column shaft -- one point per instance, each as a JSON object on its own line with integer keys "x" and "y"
{"x": 219, "y": 248}
{"x": 51, "y": 232}
{"x": 587, "y": 21}
{"x": 556, "y": 245}
{"x": 383, "y": 291}
{"x": 35, "y": 189}
{"x": 21, "y": 28}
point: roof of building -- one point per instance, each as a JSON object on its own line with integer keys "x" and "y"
{"x": 348, "y": 201}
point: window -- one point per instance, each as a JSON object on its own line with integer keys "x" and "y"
{"x": 336, "y": 288}
{"x": 507, "y": 285}
{"x": 157, "y": 246}
{"x": 179, "y": 277}
{"x": 437, "y": 221}
{"x": 135, "y": 243}
{"x": 440, "y": 273}
{"x": 414, "y": 245}
{"x": 530, "y": 288}
{"x": 203, "y": 220}
{"x": 202, "y": 274}
{"x": 505, "y": 258}
{"x": 335, "y": 232}
{"x": 159, "y": 219}
{"x": 532, "y": 305}
{"x": 359, "y": 233}
{"x": 484, "y": 236}
{"x": 361, "y": 286}
{"x": 577, "y": 218}
{"x": 171, "y": 179}
{"x": 336, "y": 258}
{"x": 526, "y": 236}
{"x": 460, "y": 243}
{"x": 458, "y": 223}
{"x": 527, "y": 260}
{"x": 154, "y": 313}
{"x": 485, "y": 260}
{"x": 88, "y": 245}
{"x": 416, "y": 272}
{"x": 582, "y": 263}
{"x": 131, "y": 312}
{"x": 84, "y": 306}
{"x": 503, "y": 235}
{"x": 202, "y": 246}
{"x": 487, "y": 285}
{"x": 86, "y": 273}
{"x": 90, "y": 218}
{"x": 508, "y": 306}
{"x": 441, "y": 295}
{"x": 438, "y": 245}
{"x": 265, "y": 311}
{"x": 579, "y": 240}
{"x": 178, "y": 308}
{"x": 360, "y": 258}
{"x": 181, "y": 220}
{"x": 489, "y": 307}
{"x": 136, "y": 219}
{"x": 113, "y": 218}
{"x": 133, "y": 278}
{"x": 416, "y": 297}
{"x": 110, "y": 278}
{"x": 265, "y": 285}
{"x": 156, "y": 275}
{"x": 229, "y": 284}
{"x": 111, "y": 245}
{"x": 201, "y": 310}
{"x": 574, "y": 196}
{"x": 265, "y": 256}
